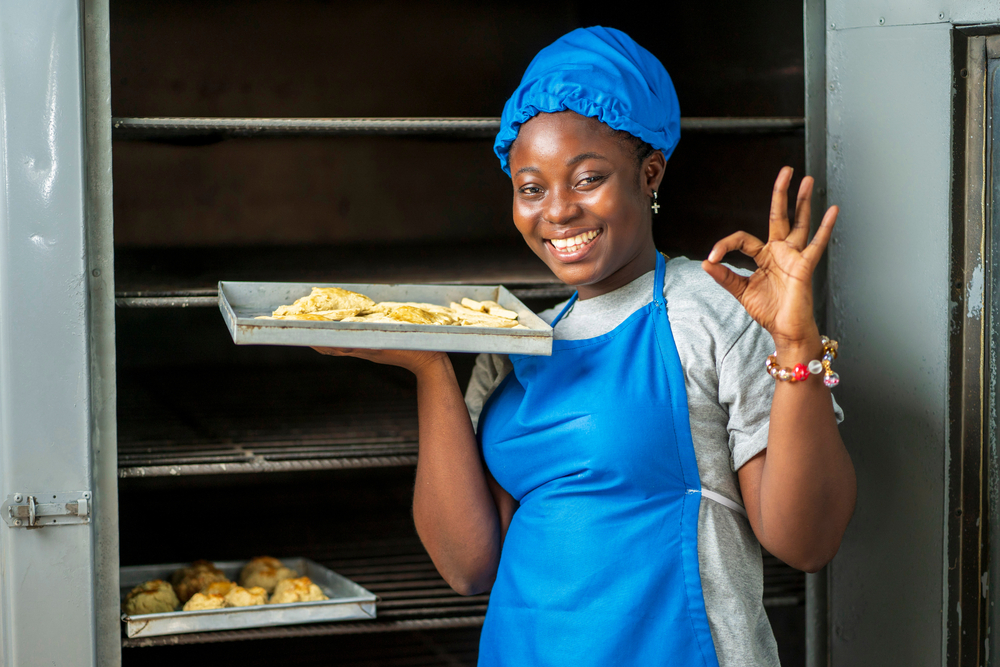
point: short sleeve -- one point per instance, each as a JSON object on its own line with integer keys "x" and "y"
{"x": 746, "y": 391}
{"x": 488, "y": 373}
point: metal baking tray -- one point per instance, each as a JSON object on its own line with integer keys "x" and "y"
{"x": 241, "y": 302}
{"x": 347, "y": 601}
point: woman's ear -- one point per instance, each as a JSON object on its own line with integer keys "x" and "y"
{"x": 652, "y": 172}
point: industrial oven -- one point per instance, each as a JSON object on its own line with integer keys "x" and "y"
{"x": 163, "y": 147}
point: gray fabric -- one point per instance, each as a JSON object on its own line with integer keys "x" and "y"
{"x": 729, "y": 394}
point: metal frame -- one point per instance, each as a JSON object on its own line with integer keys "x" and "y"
{"x": 972, "y": 368}
{"x": 164, "y": 128}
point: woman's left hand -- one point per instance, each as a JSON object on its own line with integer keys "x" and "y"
{"x": 778, "y": 295}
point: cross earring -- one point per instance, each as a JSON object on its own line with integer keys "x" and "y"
{"x": 655, "y": 206}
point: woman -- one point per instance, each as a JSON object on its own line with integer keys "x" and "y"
{"x": 614, "y": 496}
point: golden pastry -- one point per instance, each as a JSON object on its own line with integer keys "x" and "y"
{"x": 297, "y": 590}
{"x": 243, "y": 597}
{"x": 201, "y": 602}
{"x": 326, "y": 298}
{"x": 151, "y": 597}
{"x": 189, "y": 580}
{"x": 265, "y": 572}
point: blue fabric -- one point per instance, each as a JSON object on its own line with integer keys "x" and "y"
{"x": 600, "y": 563}
{"x": 598, "y": 72}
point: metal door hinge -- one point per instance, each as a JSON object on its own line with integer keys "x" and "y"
{"x": 36, "y": 510}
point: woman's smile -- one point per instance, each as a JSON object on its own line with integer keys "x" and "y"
{"x": 573, "y": 248}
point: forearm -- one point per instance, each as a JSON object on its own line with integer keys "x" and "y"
{"x": 807, "y": 485}
{"x": 454, "y": 512}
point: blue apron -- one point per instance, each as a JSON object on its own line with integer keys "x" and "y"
{"x": 600, "y": 563}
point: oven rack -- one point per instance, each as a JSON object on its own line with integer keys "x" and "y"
{"x": 198, "y": 420}
{"x": 414, "y": 597}
{"x": 177, "y": 128}
{"x": 188, "y": 277}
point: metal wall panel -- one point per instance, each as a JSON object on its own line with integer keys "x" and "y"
{"x": 889, "y": 151}
{"x": 46, "y": 575}
{"x": 843, "y": 14}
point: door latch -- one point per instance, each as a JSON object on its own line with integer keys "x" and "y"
{"x": 37, "y": 510}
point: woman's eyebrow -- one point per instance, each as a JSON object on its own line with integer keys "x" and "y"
{"x": 585, "y": 156}
{"x": 533, "y": 170}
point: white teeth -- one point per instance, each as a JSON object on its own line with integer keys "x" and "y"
{"x": 576, "y": 242}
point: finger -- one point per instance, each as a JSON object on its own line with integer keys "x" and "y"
{"x": 778, "y": 225}
{"x": 334, "y": 351}
{"x": 746, "y": 243}
{"x": 799, "y": 235}
{"x": 815, "y": 249}
{"x": 732, "y": 282}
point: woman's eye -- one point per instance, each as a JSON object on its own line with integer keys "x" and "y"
{"x": 590, "y": 180}
{"x": 529, "y": 190}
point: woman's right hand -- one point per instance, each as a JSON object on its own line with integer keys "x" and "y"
{"x": 411, "y": 360}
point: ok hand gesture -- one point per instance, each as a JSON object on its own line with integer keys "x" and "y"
{"x": 778, "y": 295}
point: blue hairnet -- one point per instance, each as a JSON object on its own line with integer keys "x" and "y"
{"x": 599, "y": 72}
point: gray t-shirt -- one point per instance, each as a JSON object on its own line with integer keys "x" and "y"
{"x": 722, "y": 351}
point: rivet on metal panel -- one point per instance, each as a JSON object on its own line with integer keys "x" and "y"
{"x": 940, "y": 16}
{"x": 86, "y": 494}
{"x": 18, "y": 497}
{"x": 17, "y": 522}
{"x": 881, "y": 20}
{"x": 96, "y": 273}
{"x": 964, "y": 73}
{"x": 832, "y": 87}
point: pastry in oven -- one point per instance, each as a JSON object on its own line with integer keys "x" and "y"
{"x": 265, "y": 572}
{"x": 201, "y": 602}
{"x": 301, "y": 589}
{"x": 151, "y": 597}
{"x": 246, "y": 597}
{"x": 189, "y": 580}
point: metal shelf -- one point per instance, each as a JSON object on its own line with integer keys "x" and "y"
{"x": 413, "y": 596}
{"x": 166, "y": 128}
{"x": 203, "y": 421}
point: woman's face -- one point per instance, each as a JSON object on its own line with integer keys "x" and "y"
{"x": 581, "y": 201}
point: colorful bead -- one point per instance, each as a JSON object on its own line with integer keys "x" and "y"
{"x": 815, "y": 367}
{"x": 831, "y": 380}
{"x": 784, "y": 375}
{"x": 801, "y": 372}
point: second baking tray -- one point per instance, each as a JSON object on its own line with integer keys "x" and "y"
{"x": 347, "y": 601}
{"x": 242, "y": 302}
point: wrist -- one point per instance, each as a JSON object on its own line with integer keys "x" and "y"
{"x": 790, "y": 353}
{"x": 430, "y": 365}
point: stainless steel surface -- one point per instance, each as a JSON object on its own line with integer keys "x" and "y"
{"x": 869, "y": 13}
{"x": 242, "y": 302}
{"x": 817, "y": 629}
{"x": 168, "y": 302}
{"x": 142, "y": 128}
{"x": 890, "y": 299}
{"x": 101, "y": 281}
{"x": 39, "y": 510}
{"x": 47, "y": 409}
{"x": 347, "y": 601}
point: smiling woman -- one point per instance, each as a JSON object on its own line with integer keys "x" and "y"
{"x": 614, "y": 497}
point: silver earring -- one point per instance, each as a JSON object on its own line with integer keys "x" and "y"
{"x": 655, "y": 206}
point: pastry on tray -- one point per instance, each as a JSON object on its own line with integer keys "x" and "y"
{"x": 246, "y": 597}
{"x": 340, "y": 305}
{"x": 202, "y": 601}
{"x": 297, "y": 590}
{"x": 265, "y": 572}
{"x": 151, "y": 597}
{"x": 189, "y": 580}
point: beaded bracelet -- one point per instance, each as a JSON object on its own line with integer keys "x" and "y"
{"x": 801, "y": 372}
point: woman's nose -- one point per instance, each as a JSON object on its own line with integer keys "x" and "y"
{"x": 560, "y": 207}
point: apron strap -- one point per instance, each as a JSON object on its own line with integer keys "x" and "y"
{"x": 569, "y": 304}
{"x": 722, "y": 500}
{"x": 661, "y": 269}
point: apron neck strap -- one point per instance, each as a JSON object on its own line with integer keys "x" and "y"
{"x": 661, "y": 268}
{"x": 569, "y": 304}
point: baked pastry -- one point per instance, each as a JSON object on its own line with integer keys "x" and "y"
{"x": 151, "y": 597}
{"x": 218, "y": 588}
{"x": 189, "y": 580}
{"x": 265, "y": 572}
{"x": 243, "y": 597}
{"x": 326, "y": 298}
{"x": 340, "y": 305}
{"x": 297, "y": 590}
{"x": 201, "y": 601}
